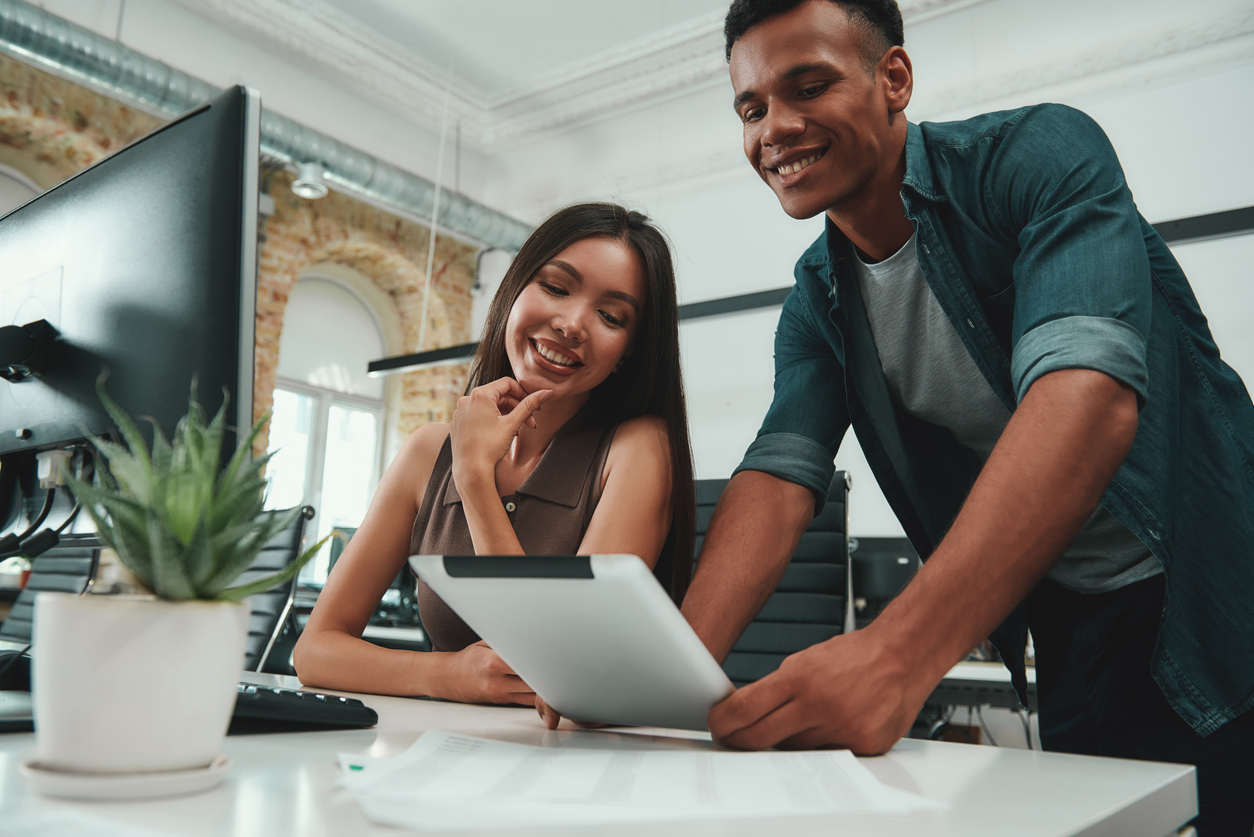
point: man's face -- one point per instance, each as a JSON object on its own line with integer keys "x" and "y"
{"x": 816, "y": 123}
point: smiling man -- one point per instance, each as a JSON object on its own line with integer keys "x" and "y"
{"x": 1038, "y": 395}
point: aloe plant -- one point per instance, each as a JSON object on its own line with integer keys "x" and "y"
{"x": 184, "y": 526}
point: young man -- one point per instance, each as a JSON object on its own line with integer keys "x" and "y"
{"x": 1040, "y": 399}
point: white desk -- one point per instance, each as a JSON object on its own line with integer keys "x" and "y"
{"x": 285, "y": 784}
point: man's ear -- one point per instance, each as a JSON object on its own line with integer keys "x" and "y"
{"x": 898, "y": 78}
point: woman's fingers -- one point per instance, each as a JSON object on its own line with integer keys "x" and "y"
{"x": 547, "y": 714}
{"x": 526, "y": 407}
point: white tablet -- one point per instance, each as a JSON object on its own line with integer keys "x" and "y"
{"x": 595, "y": 636}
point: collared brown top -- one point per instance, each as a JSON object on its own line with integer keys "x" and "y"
{"x": 550, "y": 512}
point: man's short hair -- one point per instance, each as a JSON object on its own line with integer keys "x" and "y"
{"x": 879, "y": 20}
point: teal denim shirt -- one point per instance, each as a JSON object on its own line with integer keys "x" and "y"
{"x": 1029, "y": 238}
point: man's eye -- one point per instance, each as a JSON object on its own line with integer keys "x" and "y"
{"x": 812, "y": 90}
{"x": 753, "y": 115}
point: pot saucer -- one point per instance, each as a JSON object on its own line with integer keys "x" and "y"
{"x": 114, "y": 786}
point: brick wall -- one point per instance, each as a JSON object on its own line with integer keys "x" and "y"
{"x": 392, "y": 253}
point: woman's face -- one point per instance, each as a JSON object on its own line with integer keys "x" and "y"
{"x": 577, "y": 317}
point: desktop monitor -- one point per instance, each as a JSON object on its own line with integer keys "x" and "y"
{"x": 143, "y": 265}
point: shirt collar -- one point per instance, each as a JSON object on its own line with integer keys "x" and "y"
{"x": 919, "y": 174}
{"x": 562, "y": 472}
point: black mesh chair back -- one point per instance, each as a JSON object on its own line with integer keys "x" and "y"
{"x": 271, "y": 609}
{"x": 812, "y": 602}
{"x": 69, "y": 567}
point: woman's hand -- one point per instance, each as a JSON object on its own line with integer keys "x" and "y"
{"x": 479, "y": 675}
{"x": 486, "y": 422}
{"x": 551, "y": 718}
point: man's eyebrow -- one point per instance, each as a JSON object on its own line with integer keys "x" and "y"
{"x": 793, "y": 72}
{"x": 802, "y": 69}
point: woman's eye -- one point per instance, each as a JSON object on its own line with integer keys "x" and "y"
{"x": 612, "y": 320}
{"x": 553, "y": 289}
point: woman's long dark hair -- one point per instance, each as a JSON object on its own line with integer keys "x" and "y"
{"x": 649, "y": 381}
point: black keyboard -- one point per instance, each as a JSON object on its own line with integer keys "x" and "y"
{"x": 273, "y": 709}
{"x": 257, "y": 709}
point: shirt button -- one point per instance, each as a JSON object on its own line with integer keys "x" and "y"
{"x": 509, "y": 507}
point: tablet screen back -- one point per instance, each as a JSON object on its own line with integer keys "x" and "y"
{"x": 595, "y": 636}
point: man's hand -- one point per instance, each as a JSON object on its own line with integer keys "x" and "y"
{"x": 1044, "y": 478}
{"x": 847, "y": 692}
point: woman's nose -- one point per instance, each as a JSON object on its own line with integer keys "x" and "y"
{"x": 571, "y": 322}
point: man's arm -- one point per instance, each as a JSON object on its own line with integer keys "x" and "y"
{"x": 752, "y": 536}
{"x": 1061, "y": 449}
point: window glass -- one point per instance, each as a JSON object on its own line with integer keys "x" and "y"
{"x": 329, "y": 337}
{"x": 347, "y": 475}
{"x": 291, "y": 432}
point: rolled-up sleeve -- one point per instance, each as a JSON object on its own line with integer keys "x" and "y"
{"x": 1082, "y": 276}
{"x": 809, "y": 415}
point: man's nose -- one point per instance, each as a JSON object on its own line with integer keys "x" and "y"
{"x": 781, "y": 124}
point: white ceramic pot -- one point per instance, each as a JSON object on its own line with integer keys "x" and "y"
{"x": 133, "y": 684}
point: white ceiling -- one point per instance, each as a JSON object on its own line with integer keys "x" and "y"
{"x": 512, "y": 69}
{"x": 498, "y": 49}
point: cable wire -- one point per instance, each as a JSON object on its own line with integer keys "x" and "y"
{"x": 1027, "y": 726}
{"x": 979, "y": 713}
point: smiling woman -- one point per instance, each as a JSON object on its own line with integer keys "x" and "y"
{"x": 572, "y": 438}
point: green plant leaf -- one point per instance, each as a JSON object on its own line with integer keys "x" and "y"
{"x": 247, "y": 547}
{"x": 243, "y": 452}
{"x": 235, "y": 594}
{"x": 169, "y": 574}
{"x": 198, "y": 559}
{"x": 130, "y": 473}
{"x": 134, "y": 439}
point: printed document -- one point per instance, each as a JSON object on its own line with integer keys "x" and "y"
{"x": 449, "y": 782}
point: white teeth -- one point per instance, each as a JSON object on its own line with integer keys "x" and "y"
{"x": 554, "y": 357}
{"x": 793, "y": 168}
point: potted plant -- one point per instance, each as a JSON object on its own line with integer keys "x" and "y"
{"x": 146, "y": 684}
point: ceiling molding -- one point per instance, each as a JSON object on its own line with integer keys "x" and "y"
{"x": 1134, "y": 56}
{"x": 670, "y": 62}
{"x": 1165, "y": 53}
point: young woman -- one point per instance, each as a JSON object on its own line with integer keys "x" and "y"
{"x": 572, "y": 439}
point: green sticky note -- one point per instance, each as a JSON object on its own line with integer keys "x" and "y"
{"x": 355, "y": 767}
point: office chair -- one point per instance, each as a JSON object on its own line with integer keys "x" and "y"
{"x": 399, "y": 606}
{"x": 881, "y": 568}
{"x": 813, "y": 601}
{"x": 69, "y": 567}
{"x": 271, "y": 610}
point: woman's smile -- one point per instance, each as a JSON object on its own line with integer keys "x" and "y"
{"x": 553, "y": 357}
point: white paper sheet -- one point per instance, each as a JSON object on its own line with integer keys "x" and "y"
{"x": 449, "y": 782}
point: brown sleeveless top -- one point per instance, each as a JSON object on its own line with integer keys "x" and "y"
{"x": 550, "y": 512}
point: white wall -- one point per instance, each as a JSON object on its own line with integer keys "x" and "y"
{"x": 1171, "y": 85}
